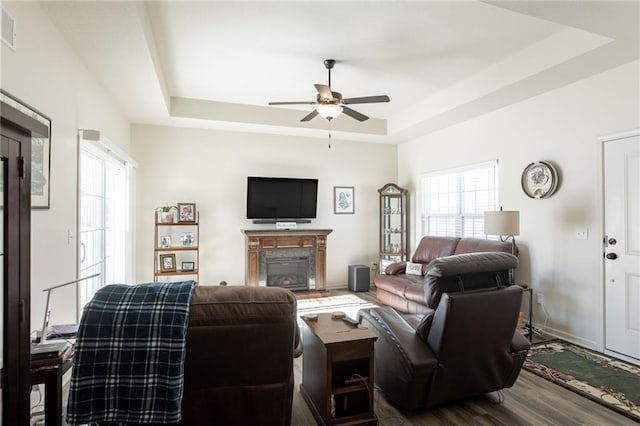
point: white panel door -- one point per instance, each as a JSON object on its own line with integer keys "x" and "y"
{"x": 622, "y": 245}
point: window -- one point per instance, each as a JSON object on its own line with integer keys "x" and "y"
{"x": 454, "y": 201}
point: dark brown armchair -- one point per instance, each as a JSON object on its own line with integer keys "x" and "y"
{"x": 241, "y": 343}
{"x": 468, "y": 346}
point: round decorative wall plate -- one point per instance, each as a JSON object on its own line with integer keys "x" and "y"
{"x": 539, "y": 180}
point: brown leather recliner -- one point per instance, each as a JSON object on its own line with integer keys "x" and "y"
{"x": 241, "y": 342}
{"x": 468, "y": 346}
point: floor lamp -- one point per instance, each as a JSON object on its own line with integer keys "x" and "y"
{"x": 505, "y": 224}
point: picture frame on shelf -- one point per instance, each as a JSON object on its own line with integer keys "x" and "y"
{"x": 186, "y": 213}
{"x": 188, "y": 239}
{"x": 165, "y": 241}
{"x": 188, "y": 266}
{"x": 167, "y": 263}
{"x": 343, "y": 200}
{"x": 40, "y": 153}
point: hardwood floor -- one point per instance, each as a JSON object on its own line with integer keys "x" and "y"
{"x": 531, "y": 401}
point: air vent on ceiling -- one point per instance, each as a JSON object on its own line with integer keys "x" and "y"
{"x": 8, "y": 29}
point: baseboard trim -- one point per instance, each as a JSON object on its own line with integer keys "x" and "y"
{"x": 626, "y": 358}
{"x": 336, "y": 287}
{"x": 568, "y": 337}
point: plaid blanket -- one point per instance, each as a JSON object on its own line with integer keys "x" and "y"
{"x": 129, "y": 359}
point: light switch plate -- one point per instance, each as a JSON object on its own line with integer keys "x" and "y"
{"x": 582, "y": 233}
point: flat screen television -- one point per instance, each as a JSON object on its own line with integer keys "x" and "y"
{"x": 281, "y": 198}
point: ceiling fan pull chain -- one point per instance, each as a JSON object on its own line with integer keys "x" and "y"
{"x": 329, "y": 120}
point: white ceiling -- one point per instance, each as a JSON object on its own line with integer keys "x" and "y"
{"x": 217, "y": 64}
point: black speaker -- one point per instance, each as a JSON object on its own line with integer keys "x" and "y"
{"x": 358, "y": 278}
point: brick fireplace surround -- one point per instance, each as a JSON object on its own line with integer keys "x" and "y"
{"x": 261, "y": 243}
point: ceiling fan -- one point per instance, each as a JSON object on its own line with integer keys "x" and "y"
{"x": 331, "y": 104}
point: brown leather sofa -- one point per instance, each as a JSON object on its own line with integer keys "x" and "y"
{"x": 416, "y": 293}
{"x": 241, "y": 342}
{"x": 468, "y": 346}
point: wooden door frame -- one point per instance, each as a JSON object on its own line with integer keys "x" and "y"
{"x": 17, "y": 128}
{"x": 600, "y": 320}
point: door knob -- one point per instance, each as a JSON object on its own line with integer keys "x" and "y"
{"x": 612, "y": 241}
{"x": 611, "y": 256}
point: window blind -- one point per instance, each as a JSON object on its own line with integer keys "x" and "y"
{"x": 454, "y": 201}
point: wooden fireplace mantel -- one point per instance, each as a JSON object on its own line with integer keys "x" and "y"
{"x": 260, "y": 240}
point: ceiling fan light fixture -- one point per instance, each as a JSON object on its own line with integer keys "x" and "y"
{"x": 329, "y": 111}
{"x": 331, "y": 104}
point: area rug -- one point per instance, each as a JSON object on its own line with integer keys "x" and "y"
{"x": 350, "y": 304}
{"x": 610, "y": 382}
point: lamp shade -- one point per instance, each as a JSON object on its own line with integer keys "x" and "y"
{"x": 329, "y": 111}
{"x": 502, "y": 223}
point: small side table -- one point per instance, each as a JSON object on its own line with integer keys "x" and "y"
{"x": 50, "y": 372}
{"x": 337, "y": 372}
{"x": 526, "y": 289}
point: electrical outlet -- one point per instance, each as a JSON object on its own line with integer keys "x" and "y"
{"x": 540, "y": 299}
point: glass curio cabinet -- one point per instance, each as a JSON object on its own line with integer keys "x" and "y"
{"x": 394, "y": 225}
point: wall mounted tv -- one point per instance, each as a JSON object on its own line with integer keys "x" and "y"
{"x": 275, "y": 198}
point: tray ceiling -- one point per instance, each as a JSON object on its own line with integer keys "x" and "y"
{"x": 217, "y": 64}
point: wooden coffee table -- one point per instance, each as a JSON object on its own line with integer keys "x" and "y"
{"x": 337, "y": 371}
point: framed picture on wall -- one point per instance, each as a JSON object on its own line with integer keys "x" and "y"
{"x": 343, "y": 200}
{"x": 40, "y": 153}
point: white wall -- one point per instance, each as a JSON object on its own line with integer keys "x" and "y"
{"x": 562, "y": 126}
{"x": 44, "y": 72}
{"x": 210, "y": 168}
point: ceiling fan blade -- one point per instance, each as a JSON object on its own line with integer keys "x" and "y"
{"x": 354, "y": 114}
{"x": 324, "y": 90}
{"x": 293, "y": 103}
{"x": 367, "y": 100}
{"x": 310, "y": 116}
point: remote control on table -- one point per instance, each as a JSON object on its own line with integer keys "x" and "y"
{"x": 351, "y": 321}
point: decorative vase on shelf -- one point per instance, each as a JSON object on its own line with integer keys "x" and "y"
{"x": 166, "y": 214}
{"x": 166, "y": 217}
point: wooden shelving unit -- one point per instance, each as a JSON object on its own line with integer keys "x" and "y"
{"x": 171, "y": 240}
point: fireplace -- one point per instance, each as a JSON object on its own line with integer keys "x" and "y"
{"x": 291, "y": 273}
{"x": 305, "y": 249}
{"x": 293, "y": 269}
